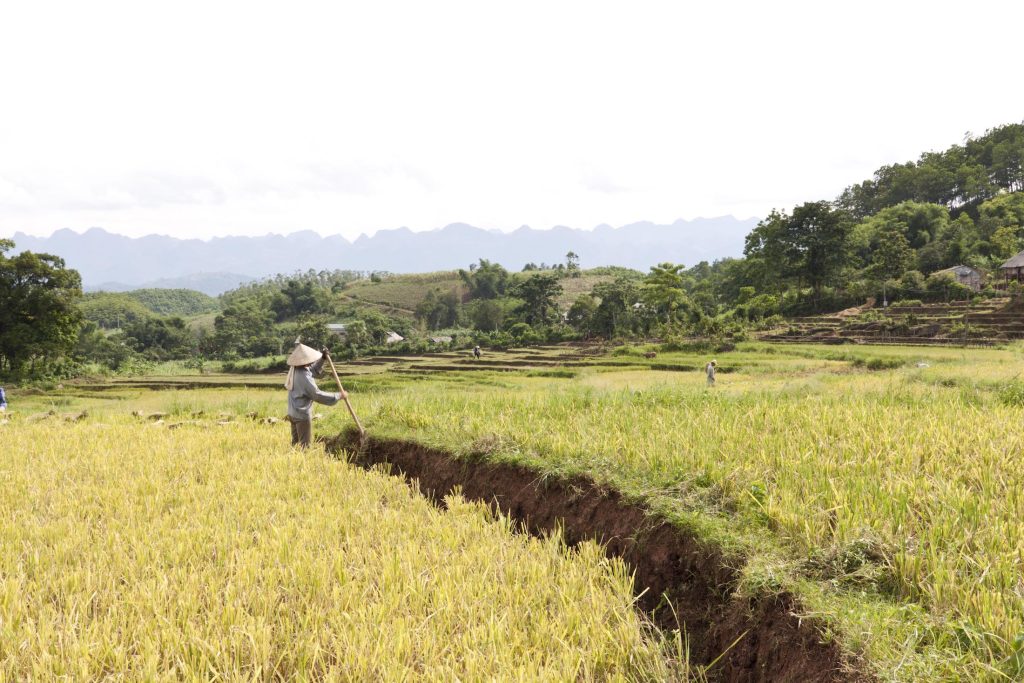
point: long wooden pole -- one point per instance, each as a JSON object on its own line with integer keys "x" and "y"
{"x": 334, "y": 371}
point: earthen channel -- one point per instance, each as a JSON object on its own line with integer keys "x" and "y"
{"x": 679, "y": 579}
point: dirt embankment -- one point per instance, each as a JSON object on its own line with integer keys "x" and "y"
{"x": 671, "y": 565}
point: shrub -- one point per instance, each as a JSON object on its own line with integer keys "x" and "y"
{"x": 878, "y": 363}
{"x": 944, "y": 287}
{"x": 962, "y": 329}
{"x": 1012, "y": 393}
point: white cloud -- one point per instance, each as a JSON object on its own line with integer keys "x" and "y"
{"x": 197, "y": 118}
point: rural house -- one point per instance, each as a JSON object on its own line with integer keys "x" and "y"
{"x": 1013, "y": 270}
{"x": 965, "y": 275}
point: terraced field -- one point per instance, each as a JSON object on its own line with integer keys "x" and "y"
{"x": 983, "y": 323}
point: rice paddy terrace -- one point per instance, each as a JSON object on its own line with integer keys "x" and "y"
{"x": 538, "y": 360}
{"x": 984, "y": 323}
{"x": 823, "y": 513}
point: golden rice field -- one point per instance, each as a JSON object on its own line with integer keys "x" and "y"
{"x": 129, "y": 551}
{"x": 891, "y": 499}
{"x": 884, "y": 486}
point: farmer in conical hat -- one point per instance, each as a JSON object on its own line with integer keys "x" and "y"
{"x": 304, "y": 363}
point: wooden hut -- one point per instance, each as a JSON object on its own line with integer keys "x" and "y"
{"x": 965, "y": 275}
{"x": 1013, "y": 270}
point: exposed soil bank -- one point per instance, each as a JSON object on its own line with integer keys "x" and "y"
{"x": 669, "y": 563}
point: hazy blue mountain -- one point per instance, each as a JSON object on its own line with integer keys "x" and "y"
{"x": 207, "y": 283}
{"x": 111, "y": 261}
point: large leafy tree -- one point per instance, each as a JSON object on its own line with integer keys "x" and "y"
{"x": 1008, "y": 159}
{"x": 1005, "y": 242}
{"x": 539, "y": 294}
{"x": 486, "y": 280}
{"x": 892, "y": 256}
{"x": 581, "y": 314}
{"x": 39, "y": 319}
{"x": 160, "y": 338}
{"x": 810, "y": 246}
{"x": 773, "y": 256}
{"x": 819, "y": 234}
{"x": 616, "y": 312}
{"x": 572, "y": 264}
{"x": 1004, "y": 211}
{"x": 299, "y": 297}
{"x": 664, "y": 292}
{"x": 923, "y": 227}
{"x": 488, "y": 315}
{"x": 243, "y": 330}
{"x": 438, "y": 310}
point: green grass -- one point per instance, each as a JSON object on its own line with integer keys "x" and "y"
{"x": 892, "y": 504}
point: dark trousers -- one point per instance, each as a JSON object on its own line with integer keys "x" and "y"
{"x": 302, "y": 432}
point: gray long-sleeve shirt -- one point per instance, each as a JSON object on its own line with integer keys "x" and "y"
{"x": 304, "y": 392}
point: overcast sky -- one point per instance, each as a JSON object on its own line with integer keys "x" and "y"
{"x": 208, "y": 118}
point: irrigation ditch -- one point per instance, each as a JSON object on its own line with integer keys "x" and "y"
{"x": 679, "y": 579}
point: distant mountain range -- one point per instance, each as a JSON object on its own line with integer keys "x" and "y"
{"x": 114, "y": 262}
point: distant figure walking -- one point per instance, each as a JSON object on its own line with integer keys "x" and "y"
{"x": 304, "y": 363}
{"x": 710, "y": 369}
{"x": 3, "y": 401}
{"x": 476, "y": 352}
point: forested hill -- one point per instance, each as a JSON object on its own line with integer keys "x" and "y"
{"x": 959, "y": 178}
{"x": 890, "y": 236}
{"x": 183, "y": 302}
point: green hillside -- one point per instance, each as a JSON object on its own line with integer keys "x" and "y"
{"x": 114, "y": 309}
{"x": 401, "y": 294}
{"x": 182, "y": 302}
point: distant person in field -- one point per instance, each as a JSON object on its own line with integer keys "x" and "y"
{"x": 476, "y": 352}
{"x": 710, "y": 370}
{"x": 304, "y": 363}
{"x": 3, "y": 401}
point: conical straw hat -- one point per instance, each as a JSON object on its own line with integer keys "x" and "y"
{"x": 303, "y": 355}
